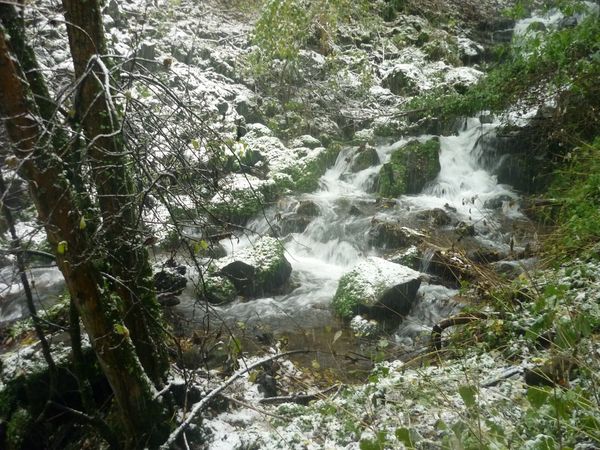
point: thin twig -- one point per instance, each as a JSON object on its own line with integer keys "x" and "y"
{"x": 197, "y": 407}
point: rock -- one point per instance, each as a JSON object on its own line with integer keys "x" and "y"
{"x": 401, "y": 79}
{"x": 498, "y": 202}
{"x": 171, "y": 281}
{"x": 365, "y": 157}
{"x": 292, "y": 223}
{"x": 469, "y": 52}
{"x": 410, "y": 169}
{"x": 377, "y": 289}
{"x": 248, "y": 108}
{"x": 567, "y": 22}
{"x": 436, "y": 216}
{"x": 390, "y": 235}
{"x": 365, "y": 328}
{"x": 258, "y": 270}
{"x": 460, "y": 78}
{"x": 308, "y": 208}
{"x": 557, "y": 370}
{"x": 354, "y": 211}
{"x": 217, "y": 289}
{"x": 411, "y": 257}
{"x": 305, "y": 141}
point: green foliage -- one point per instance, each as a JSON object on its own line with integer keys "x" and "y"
{"x": 577, "y": 186}
{"x": 542, "y": 64}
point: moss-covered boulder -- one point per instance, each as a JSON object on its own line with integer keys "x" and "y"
{"x": 217, "y": 290}
{"x": 258, "y": 270}
{"x": 410, "y": 168}
{"x": 377, "y": 289}
{"x": 365, "y": 157}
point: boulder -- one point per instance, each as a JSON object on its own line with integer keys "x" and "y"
{"x": 410, "y": 168}
{"x": 308, "y": 208}
{"x": 390, "y": 235}
{"x": 402, "y": 79}
{"x": 292, "y": 223}
{"x": 365, "y": 157}
{"x": 258, "y": 270}
{"x": 170, "y": 280}
{"x": 217, "y": 290}
{"x": 377, "y": 289}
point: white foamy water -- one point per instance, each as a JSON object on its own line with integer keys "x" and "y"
{"x": 336, "y": 241}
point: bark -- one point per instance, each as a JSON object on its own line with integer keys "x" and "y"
{"x": 57, "y": 209}
{"x": 118, "y": 199}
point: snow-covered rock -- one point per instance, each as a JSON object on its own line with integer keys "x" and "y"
{"x": 377, "y": 288}
{"x": 258, "y": 270}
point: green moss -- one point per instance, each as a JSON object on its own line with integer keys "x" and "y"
{"x": 306, "y": 179}
{"x": 18, "y": 428}
{"x": 410, "y": 168}
{"x": 217, "y": 289}
{"x": 345, "y": 303}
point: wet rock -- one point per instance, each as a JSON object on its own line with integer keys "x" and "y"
{"x": 355, "y": 211}
{"x": 377, "y": 289}
{"x": 498, "y": 202}
{"x": 567, "y": 22}
{"x": 410, "y": 168}
{"x": 171, "y": 280}
{"x": 258, "y": 270}
{"x": 308, "y": 208}
{"x": 436, "y": 216}
{"x": 390, "y": 235}
{"x": 365, "y": 157}
{"x": 411, "y": 257}
{"x": 292, "y": 223}
{"x": 217, "y": 290}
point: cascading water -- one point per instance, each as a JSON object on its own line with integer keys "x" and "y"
{"x": 336, "y": 240}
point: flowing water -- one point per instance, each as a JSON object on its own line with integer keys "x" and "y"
{"x": 337, "y": 239}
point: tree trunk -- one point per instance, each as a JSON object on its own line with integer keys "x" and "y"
{"x": 118, "y": 198}
{"x": 141, "y": 414}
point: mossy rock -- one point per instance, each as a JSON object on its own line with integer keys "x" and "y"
{"x": 365, "y": 157}
{"x": 410, "y": 168}
{"x": 377, "y": 289}
{"x": 218, "y": 290}
{"x": 258, "y": 270}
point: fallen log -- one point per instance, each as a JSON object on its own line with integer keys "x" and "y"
{"x": 459, "y": 319}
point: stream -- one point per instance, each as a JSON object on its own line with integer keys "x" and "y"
{"x": 337, "y": 239}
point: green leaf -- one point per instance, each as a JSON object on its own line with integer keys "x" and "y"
{"x": 374, "y": 444}
{"x": 537, "y": 396}
{"x": 82, "y": 223}
{"x": 468, "y": 394}
{"x": 195, "y": 144}
{"x": 62, "y": 247}
{"x": 121, "y": 329}
{"x": 403, "y": 435}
